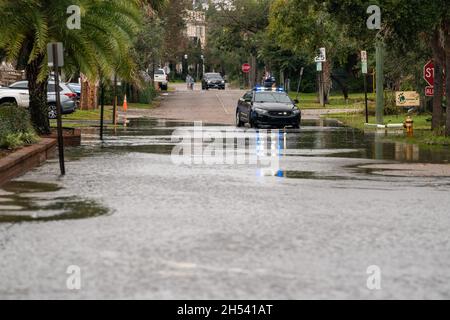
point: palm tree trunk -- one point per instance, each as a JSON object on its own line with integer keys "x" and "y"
{"x": 89, "y": 90}
{"x": 38, "y": 96}
{"x": 438, "y": 57}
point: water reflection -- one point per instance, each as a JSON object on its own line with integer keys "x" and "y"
{"x": 316, "y": 138}
{"x": 26, "y": 201}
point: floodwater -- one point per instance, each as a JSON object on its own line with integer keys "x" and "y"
{"x": 306, "y": 224}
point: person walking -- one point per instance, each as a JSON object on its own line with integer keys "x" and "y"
{"x": 190, "y": 82}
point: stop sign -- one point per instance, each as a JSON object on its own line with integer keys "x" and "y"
{"x": 246, "y": 68}
{"x": 428, "y": 73}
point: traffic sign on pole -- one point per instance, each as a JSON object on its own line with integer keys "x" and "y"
{"x": 429, "y": 91}
{"x": 428, "y": 73}
{"x": 364, "y": 62}
{"x": 246, "y": 68}
{"x": 55, "y": 60}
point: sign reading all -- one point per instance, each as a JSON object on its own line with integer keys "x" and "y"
{"x": 407, "y": 99}
{"x": 429, "y": 91}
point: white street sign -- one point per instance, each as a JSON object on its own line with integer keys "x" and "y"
{"x": 59, "y": 52}
{"x": 364, "y": 68}
{"x": 322, "y": 57}
{"x": 364, "y": 56}
{"x": 319, "y": 66}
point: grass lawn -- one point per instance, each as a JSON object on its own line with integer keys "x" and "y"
{"x": 85, "y": 118}
{"x": 357, "y": 120}
{"x": 422, "y": 127}
{"x": 337, "y": 101}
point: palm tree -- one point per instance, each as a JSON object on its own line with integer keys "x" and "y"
{"x": 27, "y": 26}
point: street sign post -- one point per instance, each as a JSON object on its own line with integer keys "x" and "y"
{"x": 319, "y": 60}
{"x": 428, "y": 76}
{"x": 364, "y": 72}
{"x": 246, "y": 68}
{"x": 55, "y": 59}
{"x": 55, "y": 53}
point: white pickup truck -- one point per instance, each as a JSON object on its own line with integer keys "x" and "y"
{"x": 18, "y": 94}
{"x": 161, "y": 78}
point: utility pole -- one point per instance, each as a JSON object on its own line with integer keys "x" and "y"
{"x": 56, "y": 60}
{"x": 115, "y": 99}
{"x": 379, "y": 46}
{"x": 364, "y": 70}
{"x": 102, "y": 106}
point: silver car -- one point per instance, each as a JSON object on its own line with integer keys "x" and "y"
{"x": 67, "y": 96}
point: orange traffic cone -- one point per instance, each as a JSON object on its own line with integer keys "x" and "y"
{"x": 125, "y": 104}
{"x": 125, "y": 108}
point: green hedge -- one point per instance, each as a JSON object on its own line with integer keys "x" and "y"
{"x": 15, "y": 127}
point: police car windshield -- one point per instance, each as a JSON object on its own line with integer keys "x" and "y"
{"x": 277, "y": 97}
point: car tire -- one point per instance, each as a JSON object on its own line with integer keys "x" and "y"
{"x": 239, "y": 123}
{"x": 52, "y": 112}
{"x": 8, "y": 103}
{"x": 252, "y": 124}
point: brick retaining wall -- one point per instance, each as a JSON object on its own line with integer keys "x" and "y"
{"x": 25, "y": 159}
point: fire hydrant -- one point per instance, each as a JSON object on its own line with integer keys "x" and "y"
{"x": 409, "y": 126}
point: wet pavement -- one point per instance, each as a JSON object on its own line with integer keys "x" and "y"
{"x": 140, "y": 226}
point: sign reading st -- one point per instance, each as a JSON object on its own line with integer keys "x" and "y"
{"x": 246, "y": 68}
{"x": 428, "y": 73}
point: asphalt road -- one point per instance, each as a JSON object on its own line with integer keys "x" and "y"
{"x": 209, "y": 106}
{"x": 139, "y": 226}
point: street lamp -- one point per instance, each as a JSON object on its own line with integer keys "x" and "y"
{"x": 185, "y": 67}
{"x": 203, "y": 64}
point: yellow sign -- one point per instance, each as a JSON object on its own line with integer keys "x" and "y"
{"x": 407, "y": 99}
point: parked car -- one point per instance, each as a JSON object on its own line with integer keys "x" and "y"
{"x": 76, "y": 88}
{"x": 18, "y": 94}
{"x": 213, "y": 80}
{"x": 264, "y": 107}
{"x": 161, "y": 78}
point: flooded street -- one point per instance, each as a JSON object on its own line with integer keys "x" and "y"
{"x": 139, "y": 226}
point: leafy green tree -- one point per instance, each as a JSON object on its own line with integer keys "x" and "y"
{"x": 236, "y": 31}
{"x": 406, "y": 27}
{"x": 107, "y": 31}
{"x": 303, "y": 26}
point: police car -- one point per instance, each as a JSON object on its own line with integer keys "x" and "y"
{"x": 267, "y": 107}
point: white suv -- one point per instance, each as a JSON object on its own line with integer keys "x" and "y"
{"x": 161, "y": 78}
{"x": 18, "y": 94}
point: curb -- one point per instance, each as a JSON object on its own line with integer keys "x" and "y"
{"x": 25, "y": 159}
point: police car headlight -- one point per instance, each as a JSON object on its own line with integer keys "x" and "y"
{"x": 295, "y": 110}
{"x": 260, "y": 111}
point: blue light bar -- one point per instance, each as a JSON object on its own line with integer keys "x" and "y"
{"x": 261, "y": 89}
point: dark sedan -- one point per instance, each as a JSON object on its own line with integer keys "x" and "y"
{"x": 263, "y": 107}
{"x": 213, "y": 81}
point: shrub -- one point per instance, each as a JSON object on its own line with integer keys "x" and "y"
{"x": 15, "y": 127}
